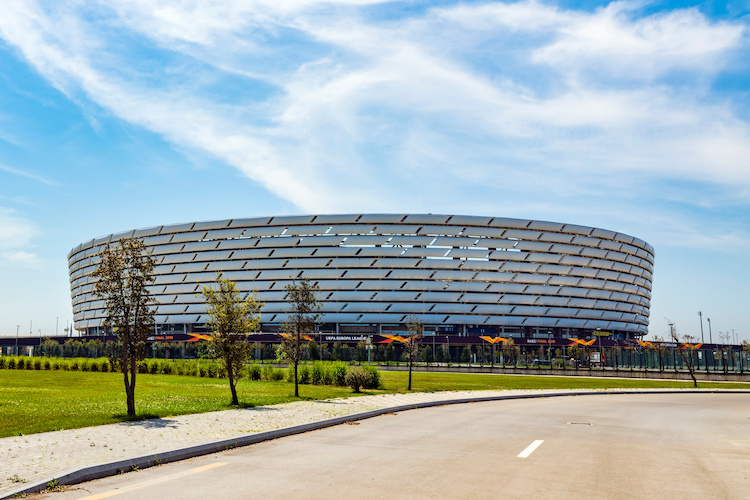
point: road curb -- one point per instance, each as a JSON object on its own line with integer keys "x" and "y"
{"x": 89, "y": 473}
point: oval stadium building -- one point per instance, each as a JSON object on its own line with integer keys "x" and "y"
{"x": 461, "y": 275}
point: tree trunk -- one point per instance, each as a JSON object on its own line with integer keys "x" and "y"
{"x": 296, "y": 384}
{"x": 409, "y": 388}
{"x": 689, "y": 364}
{"x": 232, "y": 385}
{"x": 130, "y": 386}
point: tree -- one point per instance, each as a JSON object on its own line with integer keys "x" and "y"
{"x": 726, "y": 350}
{"x": 49, "y": 347}
{"x": 411, "y": 343}
{"x": 509, "y": 351}
{"x": 125, "y": 270}
{"x": 661, "y": 350}
{"x": 687, "y": 360}
{"x": 301, "y": 321}
{"x": 573, "y": 354}
{"x": 231, "y": 318}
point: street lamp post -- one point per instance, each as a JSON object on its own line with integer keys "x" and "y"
{"x": 700, "y": 315}
{"x": 710, "y": 337}
{"x": 17, "y": 327}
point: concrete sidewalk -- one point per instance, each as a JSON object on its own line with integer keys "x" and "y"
{"x": 27, "y": 463}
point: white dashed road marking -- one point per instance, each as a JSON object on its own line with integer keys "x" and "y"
{"x": 530, "y": 449}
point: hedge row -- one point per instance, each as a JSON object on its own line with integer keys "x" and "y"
{"x": 318, "y": 373}
{"x": 66, "y": 364}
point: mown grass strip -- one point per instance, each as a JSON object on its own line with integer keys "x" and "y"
{"x": 39, "y": 401}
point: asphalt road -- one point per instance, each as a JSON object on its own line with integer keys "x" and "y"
{"x": 615, "y": 446}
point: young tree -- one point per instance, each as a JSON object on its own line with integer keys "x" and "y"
{"x": 687, "y": 360}
{"x": 231, "y": 318}
{"x": 301, "y": 321}
{"x": 509, "y": 351}
{"x": 411, "y": 343}
{"x": 125, "y": 270}
{"x": 726, "y": 350}
{"x": 661, "y": 350}
{"x": 573, "y": 354}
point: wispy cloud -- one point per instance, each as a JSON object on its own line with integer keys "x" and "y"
{"x": 331, "y": 106}
{"x": 16, "y": 234}
{"x": 28, "y": 175}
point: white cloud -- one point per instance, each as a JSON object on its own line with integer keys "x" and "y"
{"x": 510, "y": 100}
{"x": 612, "y": 40}
{"x": 640, "y": 48}
{"x": 16, "y": 235}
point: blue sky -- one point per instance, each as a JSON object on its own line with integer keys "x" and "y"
{"x": 631, "y": 116}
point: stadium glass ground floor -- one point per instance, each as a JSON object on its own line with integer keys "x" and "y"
{"x": 485, "y": 350}
{"x": 343, "y": 331}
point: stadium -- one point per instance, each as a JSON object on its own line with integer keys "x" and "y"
{"x": 463, "y": 276}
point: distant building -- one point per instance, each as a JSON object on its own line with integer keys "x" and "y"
{"x": 461, "y": 275}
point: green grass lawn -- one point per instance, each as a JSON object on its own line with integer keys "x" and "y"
{"x": 39, "y": 401}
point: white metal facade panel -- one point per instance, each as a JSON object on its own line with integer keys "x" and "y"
{"x": 211, "y": 224}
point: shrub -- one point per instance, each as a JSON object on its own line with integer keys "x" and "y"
{"x": 73, "y": 365}
{"x": 303, "y": 373}
{"x": 153, "y": 367}
{"x": 319, "y": 374}
{"x": 29, "y": 364}
{"x": 20, "y": 364}
{"x": 2, "y": 362}
{"x": 85, "y": 366}
{"x": 105, "y": 367}
{"x": 37, "y": 364}
{"x": 253, "y": 372}
{"x": 142, "y": 367}
{"x": 338, "y": 374}
{"x": 94, "y": 365}
{"x": 47, "y": 364}
{"x": 357, "y": 377}
{"x": 12, "y": 363}
{"x": 374, "y": 380}
{"x": 166, "y": 368}
{"x": 55, "y": 365}
{"x": 202, "y": 371}
{"x": 211, "y": 371}
{"x": 274, "y": 374}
